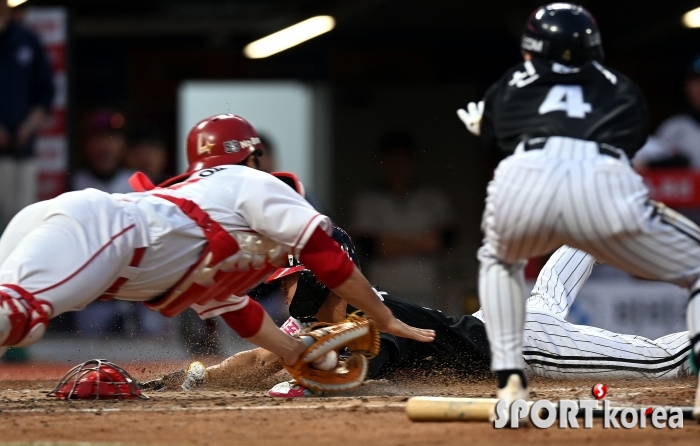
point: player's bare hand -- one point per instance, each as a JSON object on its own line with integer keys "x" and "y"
{"x": 398, "y": 328}
{"x": 471, "y": 117}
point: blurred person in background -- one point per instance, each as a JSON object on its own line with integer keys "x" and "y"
{"x": 676, "y": 142}
{"x": 26, "y": 94}
{"x": 403, "y": 226}
{"x": 104, "y": 153}
{"x": 148, "y": 153}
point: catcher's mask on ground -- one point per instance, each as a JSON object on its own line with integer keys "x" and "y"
{"x": 310, "y": 293}
{"x": 97, "y": 379}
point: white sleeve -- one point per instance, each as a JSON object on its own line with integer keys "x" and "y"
{"x": 669, "y": 140}
{"x": 276, "y": 211}
{"x": 215, "y": 308}
{"x": 654, "y": 149}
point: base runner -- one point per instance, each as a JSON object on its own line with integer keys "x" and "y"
{"x": 200, "y": 240}
{"x": 554, "y": 347}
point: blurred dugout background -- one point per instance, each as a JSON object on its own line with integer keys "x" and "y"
{"x": 389, "y": 66}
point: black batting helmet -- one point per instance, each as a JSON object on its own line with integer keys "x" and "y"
{"x": 311, "y": 293}
{"x": 563, "y": 33}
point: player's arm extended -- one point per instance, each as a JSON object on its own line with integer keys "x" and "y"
{"x": 248, "y": 367}
{"x": 240, "y": 370}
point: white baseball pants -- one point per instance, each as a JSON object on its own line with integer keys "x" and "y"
{"x": 556, "y": 348}
{"x": 568, "y": 193}
{"x": 69, "y": 250}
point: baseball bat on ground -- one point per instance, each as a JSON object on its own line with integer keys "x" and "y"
{"x": 427, "y": 408}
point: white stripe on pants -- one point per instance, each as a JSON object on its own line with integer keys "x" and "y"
{"x": 569, "y": 193}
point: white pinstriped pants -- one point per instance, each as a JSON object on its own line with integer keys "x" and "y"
{"x": 556, "y": 348}
{"x": 569, "y": 193}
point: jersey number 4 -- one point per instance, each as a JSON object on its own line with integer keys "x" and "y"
{"x": 568, "y": 98}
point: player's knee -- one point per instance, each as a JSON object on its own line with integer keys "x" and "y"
{"x": 23, "y": 318}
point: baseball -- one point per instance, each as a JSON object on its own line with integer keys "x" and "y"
{"x": 326, "y": 363}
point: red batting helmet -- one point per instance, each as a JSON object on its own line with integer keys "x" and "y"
{"x": 97, "y": 379}
{"x": 220, "y": 139}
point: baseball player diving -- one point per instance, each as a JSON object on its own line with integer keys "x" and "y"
{"x": 568, "y": 126}
{"x": 554, "y": 347}
{"x": 200, "y": 240}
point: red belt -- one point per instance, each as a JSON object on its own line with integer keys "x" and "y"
{"x": 135, "y": 262}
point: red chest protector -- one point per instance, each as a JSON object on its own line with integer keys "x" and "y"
{"x": 214, "y": 276}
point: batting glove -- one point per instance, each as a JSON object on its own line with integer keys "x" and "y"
{"x": 471, "y": 117}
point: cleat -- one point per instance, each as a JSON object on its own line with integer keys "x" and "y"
{"x": 289, "y": 389}
{"x": 168, "y": 382}
{"x": 196, "y": 375}
{"x": 513, "y": 391}
{"x": 152, "y": 385}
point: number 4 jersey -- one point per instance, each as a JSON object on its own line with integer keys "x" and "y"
{"x": 539, "y": 98}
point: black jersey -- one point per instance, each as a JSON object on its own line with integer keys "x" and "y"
{"x": 460, "y": 344}
{"x": 541, "y": 98}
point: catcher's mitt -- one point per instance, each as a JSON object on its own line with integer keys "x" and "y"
{"x": 361, "y": 338}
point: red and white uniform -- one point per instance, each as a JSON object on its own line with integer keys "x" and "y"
{"x": 59, "y": 255}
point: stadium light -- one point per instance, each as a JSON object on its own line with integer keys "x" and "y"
{"x": 691, "y": 19}
{"x": 13, "y": 3}
{"x": 289, "y": 37}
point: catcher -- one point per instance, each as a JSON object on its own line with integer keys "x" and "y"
{"x": 200, "y": 240}
{"x": 555, "y": 348}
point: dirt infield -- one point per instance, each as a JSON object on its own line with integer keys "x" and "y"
{"x": 373, "y": 414}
